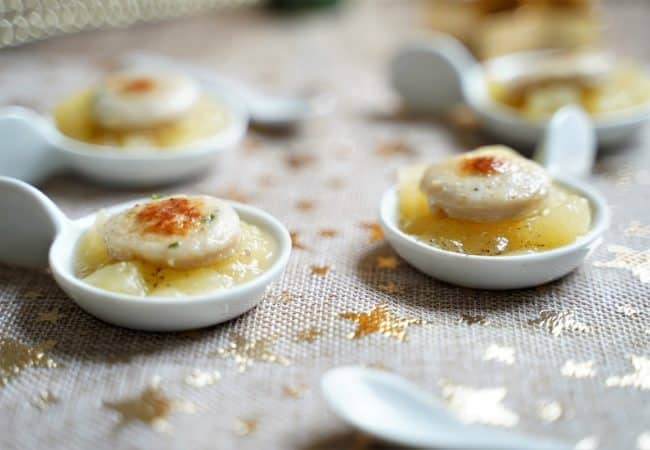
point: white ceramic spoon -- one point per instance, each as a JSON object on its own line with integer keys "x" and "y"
{"x": 437, "y": 73}
{"x": 35, "y": 233}
{"x": 568, "y": 150}
{"x": 33, "y": 149}
{"x": 389, "y": 407}
{"x": 270, "y": 111}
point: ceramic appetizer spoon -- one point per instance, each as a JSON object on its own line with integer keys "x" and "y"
{"x": 269, "y": 111}
{"x": 35, "y": 233}
{"x": 389, "y": 407}
{"x": 34, "y": 148}
{"x": 436, "y": 74}
{"x": 567, "y": 150}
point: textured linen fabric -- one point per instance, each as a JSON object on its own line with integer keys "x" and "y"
{"x": 340, "y": 163}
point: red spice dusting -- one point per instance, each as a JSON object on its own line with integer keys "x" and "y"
{"x": 171, "y": 216}
{"x": 482, "y": 165}
{"x": 137, "y": 85}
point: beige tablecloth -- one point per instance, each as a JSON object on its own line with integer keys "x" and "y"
{"x": 569, "y": 360}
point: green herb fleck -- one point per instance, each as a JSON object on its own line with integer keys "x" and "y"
{"x": 209, "y": 218}
{"x": 174, "y": 244}
{"x": 155, "y": 196}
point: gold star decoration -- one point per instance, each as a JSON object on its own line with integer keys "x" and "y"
{"x": 375, "y": 233}
{"x": 151, "y": 406}
{"x": 52, "y": 316}
{"x": 558, "y": 322}
{"x": 479, "y": 405}
{"x": 471, "y": 319}
{"x": 319, "y": 270}
{"x": 294, "y": 390}
{"x": 199, "y": 378}
{"x": 637, "y": 262}
{"x": 295, "y": 241}
{"x": 299, "y": 160}
{"x": 380, "y": 319}
{"x": 304, "y": 205}
{"x": 394, "y": 147}
{"x": 44, "y": 400}
{"x": 639, "y": 379}
{"x": 246, "y": 352}
{"x": 328, "y": 233}
{"x": 16, "y": 357}
{"x": 386, "y": 262}
{"x": 244, "y": 427}
{"x": 308, "y": 335}
{"x": 285, "y": 297}
{"x": 576, "y": 369}
{"x": 636, "y": 229}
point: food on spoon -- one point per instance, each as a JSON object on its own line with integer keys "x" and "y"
{"x": 490, "y": 201}
{"x": 592, "y": 80}
{"x": 141, "y": 109}
{"x": 173, "y": 247}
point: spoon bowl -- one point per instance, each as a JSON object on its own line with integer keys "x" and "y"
{"x": 38, "y": 149}
{"x": 54, "y": 242}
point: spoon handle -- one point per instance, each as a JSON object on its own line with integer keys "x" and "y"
{"x": 27, "y": 153}
{"x": 29, "y": 224}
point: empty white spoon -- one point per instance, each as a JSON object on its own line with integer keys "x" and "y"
{"x": 568, "y": 150}
{"x": 35, "y": 233}
{"x": 435, "y": 74}
{"x": 269, "y": 111}
{"x": 34, "y": 148}
{"x": 393, "y": 409}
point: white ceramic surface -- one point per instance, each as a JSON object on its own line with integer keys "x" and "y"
{"x": 33, "y": 149}
{"x": 266, "y": 110}
{"x": 36, "y": 233}
{"x": 387, "y": 406}
{"x": 434, "y": 74}
{"x": 561, "y": 149}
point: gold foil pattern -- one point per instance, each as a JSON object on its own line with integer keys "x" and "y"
{"x": 246, "y": 351}
{"x": 199, "y": 378}
{"x": 16, "y": 357}
{"x": 319, "y": 270}
{"x": 380, "y": 319}
{"x": 574, "y": 369}
{"x": 637, "y": 262}
{"x": 484, "y": 406}
{"x": 375, "y": 233}
{"x": 559, "y": 322}
{"x": 639, "y": 378}
{"x": 386, "y": 262}
{"x": 505, "y": 355}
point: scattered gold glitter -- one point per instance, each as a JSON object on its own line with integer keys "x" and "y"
{"x": 44, "y": 400}
{"x": 328, "y": 233}
{"x": 558, "y": 322}
{"x": 575, "y": 369}
{"x": 549, "y": 411}
{"x": 244, "y": 427}
{"x": 637, "y": 262}
{"x": 390, "y": 288}
{"x": 151, "y": 406}
{"x": 588, "y": 443}
{"x": 235, "y": 194}
{"x": 295, "y": 241}
{"x": 386, "y": 262}
{"x": 395, "y": 147}
{"x": 15, "y": 357}
{"x": 375, "y": 232}
{"x": 308, "y": 335}
{"x": 52, "y": 316}
{"x": 639, "y": 379}
{"x": 643, "y": 441}
{"x": 285, "y": 297}
{"x": 636, "y": 229}
{"x": 628, "y": 310}
{"x": 294, "y": 390}
{"x": 305, "y": 205}
{"x": 199, "y": 378}
{"x": 380, "y": 319}
{"x": 319, "y": 270}
{"x": 495, "y": 352}
{"x": 479, "y": 405}
{"x": 246, "y": 352}
{"x": 471, "y": 319}
{"x": 299, "y": 160}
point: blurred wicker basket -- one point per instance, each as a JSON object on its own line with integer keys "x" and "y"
{"x": 28, "y": 20}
